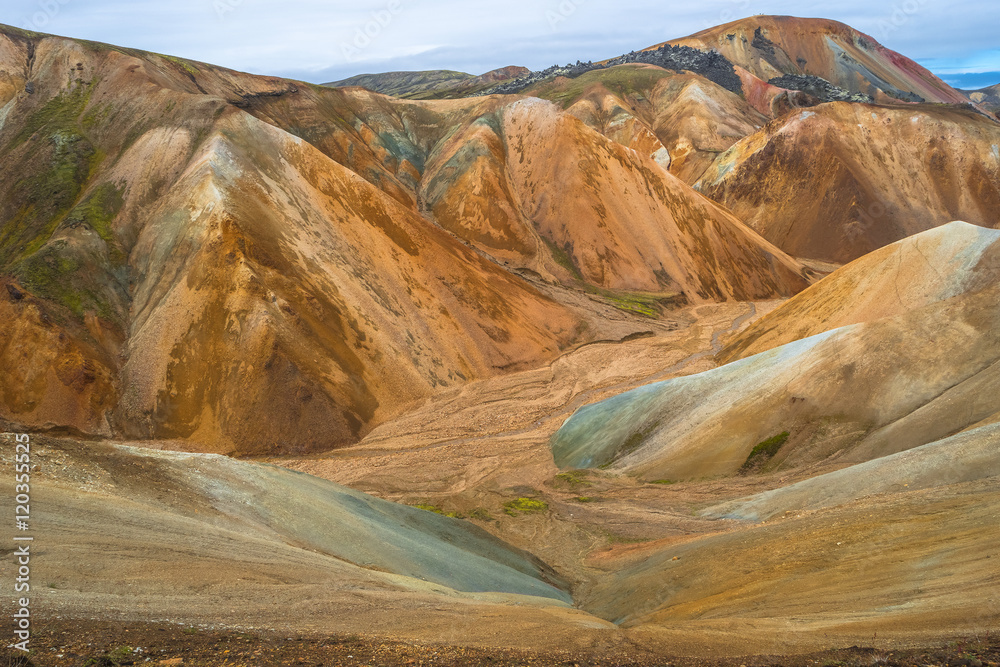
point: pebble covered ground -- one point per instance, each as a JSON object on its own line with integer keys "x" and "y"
{"x": 87, "y": 643}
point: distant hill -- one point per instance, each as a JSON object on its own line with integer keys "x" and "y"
{"x": 402, "y": 84}
{"x": 988, "y": 98}
{"x": 772, "y": 47}
{"x": 429, "y": 84}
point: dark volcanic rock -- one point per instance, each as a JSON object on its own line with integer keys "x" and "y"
{"x": 710, "y": 64}
{"x": 761, "y": 43}
{"x": 818, "y": 87}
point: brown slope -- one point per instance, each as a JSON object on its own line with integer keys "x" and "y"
{"x": 770, "y": 46}
{"x": 458, "y": 156}
{"x": 385, "y": 141}
{"x": 260, "y": 295}
{"x": 839, "y": 180}
{"x": 888, "y": 568}
{"x": 643, "y": 220}
{"x": 607, "y": 114}
{"x": 915, "y": 272}
{"x": 188, "y": 234}
{"x": 350, "y": 305}
{"x": 920, "y": 364}
{"x": 693, "y": 119}
{"x": 608, "y": 215}
{"x": 697, "y": 119}
{"x": 849, "y": 395}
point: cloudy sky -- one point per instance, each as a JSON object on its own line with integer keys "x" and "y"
{"x": 325, "y": 40}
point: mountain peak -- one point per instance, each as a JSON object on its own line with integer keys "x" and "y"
{"x": 770, "y": 47}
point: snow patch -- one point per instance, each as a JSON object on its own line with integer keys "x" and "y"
{"x": 994, "y": 149}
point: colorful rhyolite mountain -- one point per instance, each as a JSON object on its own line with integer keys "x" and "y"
{"x": 770, "y": 47}
{"x": 870, "y": 361}
{"x": 253, "y": 264}
{"x": 839, "y": 180}
{"x": 988, "y": 98}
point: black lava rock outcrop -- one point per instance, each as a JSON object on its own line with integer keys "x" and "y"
{"x": 818, "y": 87}
{"x": 710, "y": 64}
{"x": 761, "y": 43}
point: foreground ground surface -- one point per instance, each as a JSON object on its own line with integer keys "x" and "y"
{"x": 129, "y": 535}
{"x": 66, "y": 643}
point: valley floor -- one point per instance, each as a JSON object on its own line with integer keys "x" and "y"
{"x": 65, "y": 643}
{"x": 130, "y": 543}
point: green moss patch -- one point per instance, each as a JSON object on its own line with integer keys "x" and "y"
{"x": 573, "y": 479}
{"x": 48, "y": 275}
{"x": 646, "y": 304}
{"x": 52, "y": 188}
{"x": 525, "y": 505}
{"x": 60, "y": 113}
{"x": 80, "y": 280}
{"x": 563, "y": 258}
{"x": 636, "y": 304}
{"x": 764, "y": 451}
{"x": 47, "y": 195}
{"x": 480, "y": 514}
{"x": 438, "y": 510}
{"x": 185, "y": 65}
{"x": 57, "y": 275}
{"x": 98, "y": 211}
{"x": 429, "y": 508}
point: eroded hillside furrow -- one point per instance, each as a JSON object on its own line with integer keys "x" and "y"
{"x": 223, "y": 248}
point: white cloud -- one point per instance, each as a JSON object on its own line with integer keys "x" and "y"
{"x": 307, "y": 38}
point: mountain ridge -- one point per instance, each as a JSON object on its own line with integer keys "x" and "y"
{"x": 218, "y": 216}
